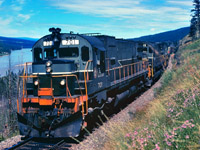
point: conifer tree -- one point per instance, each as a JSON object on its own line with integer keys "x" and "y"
{"x": 195, "y": 21}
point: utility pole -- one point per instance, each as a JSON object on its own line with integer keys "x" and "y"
{"x": 198, "y": 18}
{"x": 9, "y": 93}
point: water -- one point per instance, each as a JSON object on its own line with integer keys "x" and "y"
{"x": 17, "y": 58}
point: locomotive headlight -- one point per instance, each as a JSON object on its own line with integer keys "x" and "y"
{"x": 36, "y": 82}
{"x": 48, "y": 63}
{"x": 48, "y": 69}
{"x": 62, "y": 82}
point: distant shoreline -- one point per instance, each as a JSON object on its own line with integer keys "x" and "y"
{"x": 3, "y": 54}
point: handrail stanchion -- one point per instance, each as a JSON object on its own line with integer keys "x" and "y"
{"x": 131, "y": 69}
{"x": 108, "y": 67}
{"x": 128, "y": 70}
{"x": 124, "y": 71}
{"x": 114, "y": 76}
{"x": 120, "y": 74}
{"x": 86, "y": 86}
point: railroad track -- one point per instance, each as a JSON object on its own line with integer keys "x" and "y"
{"x": 64, "y": 144}
{"x": 42, "y": 144}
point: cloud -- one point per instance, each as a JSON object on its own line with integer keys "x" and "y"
{"x": 21, "y": 2}
{"x": 121, "y": 18}
{"x": 117, "y": 9}
{"x": 5, "y": 22}
{"x": 1, "y": 2}
{"x": 23, "y": 17}
{"x": 17, "y": 5}
{"x": 16, "y": 8}
{"x": 129, "y": 15}
{"x": 183, "y": 3}
{"x": 102, "y": 8}
{"x": 5, "y": 27}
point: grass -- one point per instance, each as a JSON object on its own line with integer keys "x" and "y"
{"x": 172, "y": 119}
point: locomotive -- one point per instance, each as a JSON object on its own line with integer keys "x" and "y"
{"x": 73, "y": 75}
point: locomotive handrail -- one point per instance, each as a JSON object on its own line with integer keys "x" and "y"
{"x": 73, "y": 75}
{"x": 26, "y": 76}
{"x": 127, "y": 65}
{"x": 123, "y": 72}
{"x": 86, "y": 66}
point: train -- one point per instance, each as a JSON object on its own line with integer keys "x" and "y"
{"x": 73, "y": 76}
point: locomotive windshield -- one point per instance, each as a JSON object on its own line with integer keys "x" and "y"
{"x": 68, "y": 52}
{"x": 85, "y": 53}
{"x": 50, "y": 53}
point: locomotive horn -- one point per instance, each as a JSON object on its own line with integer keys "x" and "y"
{"x": 55, "y": 31}
{"x": 55, "y": 36}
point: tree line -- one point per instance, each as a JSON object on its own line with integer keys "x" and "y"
{"x": 8, "y": 104}
{"x": 195, "y": 21}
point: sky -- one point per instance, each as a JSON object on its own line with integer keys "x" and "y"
{"x": 120, "y": 18}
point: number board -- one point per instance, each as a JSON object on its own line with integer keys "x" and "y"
{"x": 70, "y": 42}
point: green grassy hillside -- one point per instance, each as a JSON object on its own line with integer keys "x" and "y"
{"x": 172, "y": 119}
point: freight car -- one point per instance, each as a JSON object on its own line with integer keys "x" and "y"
{"x": 73, "y": 75}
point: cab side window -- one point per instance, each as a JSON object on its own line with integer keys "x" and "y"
{"x": 85, "y": 53}
{"x": 102, "y": 61}
{"x": 37, "y": 54}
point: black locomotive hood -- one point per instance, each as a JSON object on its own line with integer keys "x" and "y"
{"x": 95, "y": 42}
{"x": 54, "y": 61}
{"x": 56, "y": 67}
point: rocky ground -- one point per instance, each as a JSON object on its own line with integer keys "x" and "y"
{"x": 92, "y": 141}
{"x": 10, "y": 142}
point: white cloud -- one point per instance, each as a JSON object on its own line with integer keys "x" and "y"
{"x": 20, "y": 1}
{"x": 1, "y": 2}
{"x": 5, "y": 28}
{"x": 129, "y": 15}
{"x": 124, "y": 18}
{"x": 23, "y": 17}
{"x": 17, "y": 5}
{"x": 183, "y": 3}
{"x": 16, "y": 8}
{"x": 5, "y": 22}
{"x": 115, "y": 8}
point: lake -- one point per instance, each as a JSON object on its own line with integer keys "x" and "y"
{"x": 17, "y": 57}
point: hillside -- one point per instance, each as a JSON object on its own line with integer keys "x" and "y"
{"x": 173, "y": 36}
{"x": 7, "y": 44}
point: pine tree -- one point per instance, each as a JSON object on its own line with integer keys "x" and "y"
{"x": 195, "y": 21}
{"x": 192, "y": 27}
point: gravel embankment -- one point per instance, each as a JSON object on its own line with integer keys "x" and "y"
{"x": 10, "y": 142}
